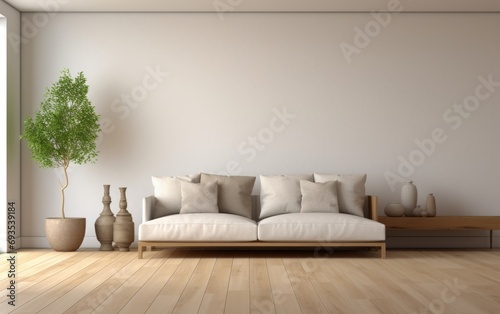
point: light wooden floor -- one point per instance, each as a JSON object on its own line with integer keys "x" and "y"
{"x": 197, "y": 281}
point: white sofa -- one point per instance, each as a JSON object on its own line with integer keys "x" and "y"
{"x": 318, "y": 210}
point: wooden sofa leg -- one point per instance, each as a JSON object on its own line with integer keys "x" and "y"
{"x": 382, "y": 251}
{"x": 139, "y": 250}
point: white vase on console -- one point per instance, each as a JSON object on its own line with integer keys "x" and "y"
{"x": 409, "y": 197}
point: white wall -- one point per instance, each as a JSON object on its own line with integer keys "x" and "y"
{"x": 226, "y": 80}
{"x": 10, "y": 123}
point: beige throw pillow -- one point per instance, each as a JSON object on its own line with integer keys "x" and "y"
{"x": 319, "y": 197}
{"x": 350, "y": 190}
{"x": 199, "y": 198}
{"x": 167, "y": 192}
{"x": 280, "y": 194}
{"x": 235, "y": 193}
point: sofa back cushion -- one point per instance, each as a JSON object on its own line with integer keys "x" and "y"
{"x": 280, "y": 194}
{"x": 167, "y": 192}
{"x": 234, "y": 196}
{"x": 350, "y": 190}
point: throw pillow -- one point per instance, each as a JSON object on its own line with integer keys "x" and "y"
{"x": 167, "y": 192}
{"x": 234, "y": 193}
{"x": 319, "y": 197}
{"x": 199, "y": 198}
{"x": 350, "y": 190}
{"x": 280, "y": 194}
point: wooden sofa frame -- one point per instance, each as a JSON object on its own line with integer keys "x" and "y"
{"x": 370, "y": 212}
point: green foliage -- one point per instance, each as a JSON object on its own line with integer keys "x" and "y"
{"x": 65, "y": 128}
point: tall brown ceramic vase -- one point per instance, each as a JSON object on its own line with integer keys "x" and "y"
{"x": 104, "y": 223}
{"x": 123, "y": 227}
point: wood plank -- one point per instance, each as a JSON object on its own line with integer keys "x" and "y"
{"x": 31, "y": 257}
{"x": 92, "y": 278}
{"x": 53, "y": 292}
{"x": 331, "y": 297}
{"x": 214, "y": 300}
{"x": 337, "y": 276}
{"x": 323, "y": 287}
{"x": 53, "y": 277}
{"x": 362, "y": 280}
{"x": 101, "y": 285}
{"x": 238, "y": 292}
{"x": 363, "y": 306}
{"x": 168, "y": 297}
{"x": 32, "y": 286}
{"x": 261, "y": 299}
{"x": 168, "y": 261}
{"x": 42, "y": 263}
{"x": 395, "y": 300}
{"x": 131, "y": 282}
{"x": 192, "y": 296}
{"x": 306, "y": 295}
{"x": 28, "y": 265}
{"x": 283, "y": 295}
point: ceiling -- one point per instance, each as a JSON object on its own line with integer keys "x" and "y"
{"x": 253, "y": 5}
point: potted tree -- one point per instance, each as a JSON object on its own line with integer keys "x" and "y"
{"x": 64, "y": 130}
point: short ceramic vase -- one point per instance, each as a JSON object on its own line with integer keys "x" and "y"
{"x": 420, "y": 212}
{"x": 431, "y": 205}
{"x": 394, "y": 210}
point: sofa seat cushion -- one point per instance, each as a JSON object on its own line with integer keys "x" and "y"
{"x": 200, "y": 227}
{"x": 327, "y": 227}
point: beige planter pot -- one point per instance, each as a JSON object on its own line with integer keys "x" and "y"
{"x": 65, "y": 235}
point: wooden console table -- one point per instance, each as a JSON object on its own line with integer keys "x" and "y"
{"x": 443, "y": 223}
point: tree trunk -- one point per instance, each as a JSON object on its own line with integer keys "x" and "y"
{"x": 64, "y": 186}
